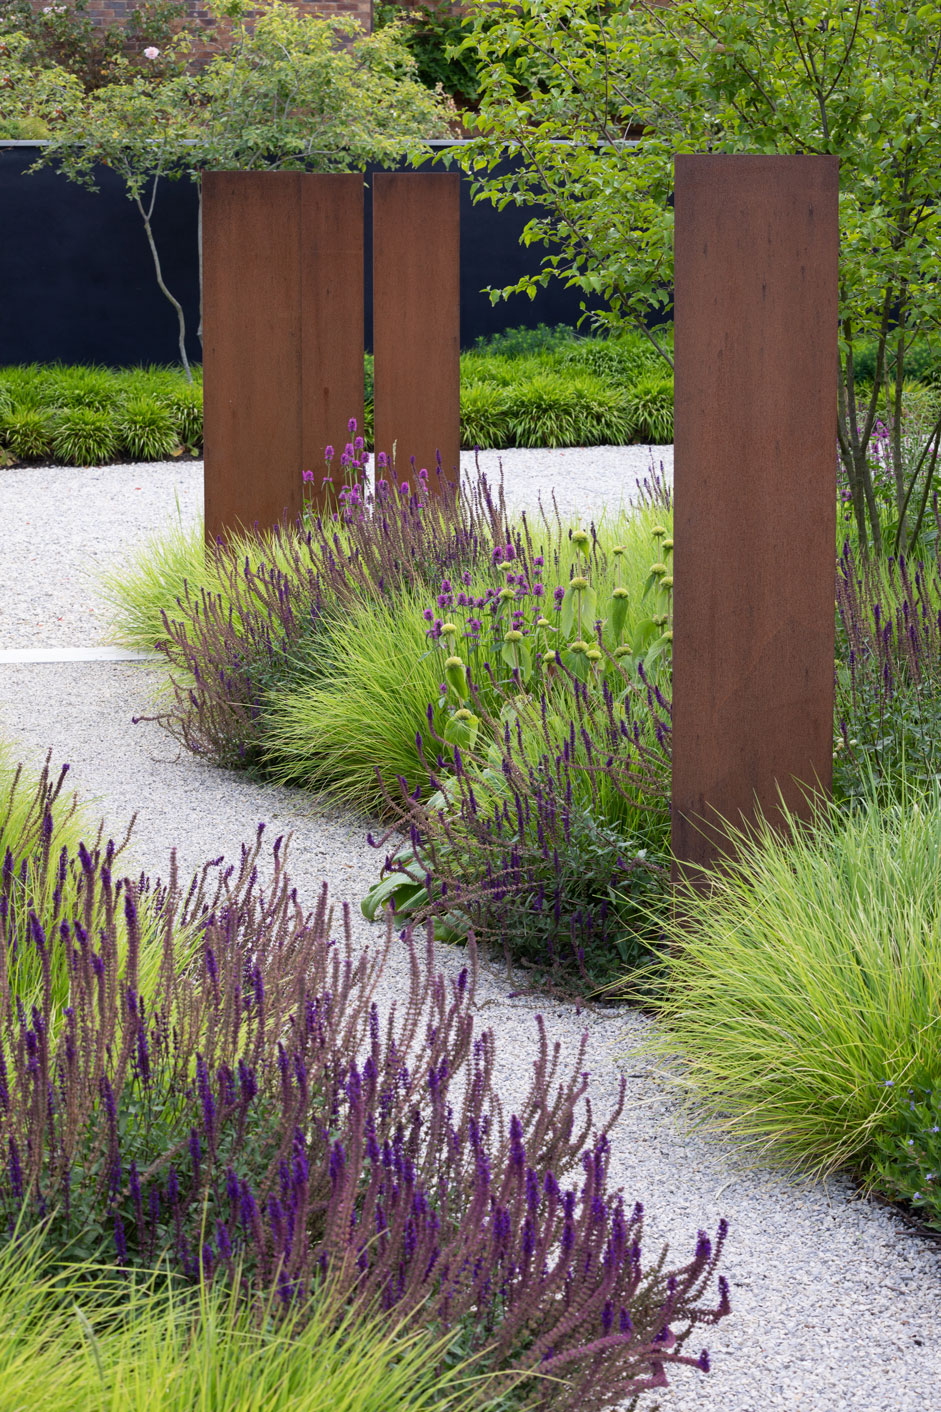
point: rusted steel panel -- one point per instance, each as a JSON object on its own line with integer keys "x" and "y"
{"x": 416, "y": 320}
{"x": 251, "y": 349}
{"x": 331, "y": 318}
{"x": 755, "y": 490}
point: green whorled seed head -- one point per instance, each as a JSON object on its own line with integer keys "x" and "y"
{"x": 581, "y": 538}
{"x": 578, "y": 646}
{"x": 658, "y": 531}
{"x": 618, "y": 550}
{"x": 620, "y": 593}
{"x": 448, "y": 630}
{"x": 579, "y": 584}
{"x": 661, "y": 620}
{"x": 548, "y": 657}
{"x": 667, "y": 546}
{"x": 543, "y": 623}
{"x": 622, "y": 651}
{"x": 658, "y": 569}
{"x": 594, "y": 654}
{"x": 506, "y": 594}
{"x": 455, "y": 674}
{"x": 514, "y": 635}
{"x": 667, "y": 582}
{"x": 462, "y": 714}
{"x": 669, "y": 634}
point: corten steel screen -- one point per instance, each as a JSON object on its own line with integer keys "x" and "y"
{"x": 282, "y": 337}
{"x": 756, "y": 241}
{"x": 416, "y": 322}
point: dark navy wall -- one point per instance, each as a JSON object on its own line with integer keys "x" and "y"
{"x": 77, "y": 282}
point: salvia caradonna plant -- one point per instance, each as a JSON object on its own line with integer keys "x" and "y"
{"x": 229, "y": 648}
{"x": 888, "y": 669}
{"x": 40, "y": 875}
{"x": 257, "y": 1112}
{"x": 552, "y": 840}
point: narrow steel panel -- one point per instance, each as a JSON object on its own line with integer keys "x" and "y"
{"x": 416, "y": 320}
{"x": 755, "y": 490}
{"x": 331, "y": 319}
{"x": 251, "y": 349}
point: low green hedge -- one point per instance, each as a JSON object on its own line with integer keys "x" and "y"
{"x": 523, "y": 387}
{"x": 88, "y": 416}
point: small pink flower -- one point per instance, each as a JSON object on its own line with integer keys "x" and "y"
{"x": 308, "y": 475}
{"x": 151, "y": 52}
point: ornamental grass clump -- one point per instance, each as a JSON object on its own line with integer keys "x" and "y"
{"x": 257, "y": 1120}
{"x": 82, "y": 1337}
{"x": 232, "y": 643}
{"x": 802, "y": 996}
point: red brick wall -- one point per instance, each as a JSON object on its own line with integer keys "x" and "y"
{"x": 116, "y": 11}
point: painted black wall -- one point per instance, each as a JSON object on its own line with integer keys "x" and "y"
{"x": 77, "y": 281}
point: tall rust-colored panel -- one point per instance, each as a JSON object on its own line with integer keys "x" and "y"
{"x": 251, "y": 349}
{"x": 331, "y": 318}
{"x": 755, "y": 490}
{"x": 416, "y": 320}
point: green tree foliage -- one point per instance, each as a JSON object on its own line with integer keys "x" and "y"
{"x": 564, "y": 83}
{"x": 289, "y": 90}
{"x": 34, "y": 100}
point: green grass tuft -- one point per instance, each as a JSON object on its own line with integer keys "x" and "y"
{"x": 805, "y": 983}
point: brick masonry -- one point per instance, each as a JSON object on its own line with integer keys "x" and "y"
{"x": 117, "y": 12}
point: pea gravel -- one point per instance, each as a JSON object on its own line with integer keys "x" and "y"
{"x": 836, "y": 1305}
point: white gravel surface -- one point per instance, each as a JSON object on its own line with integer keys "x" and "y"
{"x": 836, "y": 1305}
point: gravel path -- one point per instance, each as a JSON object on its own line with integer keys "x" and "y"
{"x": 835, "y": 1304}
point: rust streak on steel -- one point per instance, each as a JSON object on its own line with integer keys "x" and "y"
{"x": 331, "y": 319}
{"x": 755, "y": 492}
{"x": 416, "y": 321}
{"x": 251, "y": 349}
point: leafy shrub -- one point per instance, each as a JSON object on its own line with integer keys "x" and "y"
{"x": 922, "y": 361}
{"x": 616, "y": 359}
{"x": 148, "y": 428}
{"x": 907, "y": 1157}
{"x": 82, "y": 436}
{"x": 433, "y": 29}
{"x": 27, "y": 433}
{"x": 524, "y": 342}
{"x": 806, "y": 976}
{"x": 649, "y": 404}
{"x": 255, "y": 1118}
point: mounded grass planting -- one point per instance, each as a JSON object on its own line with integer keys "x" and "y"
{"x": 802, "y": 992}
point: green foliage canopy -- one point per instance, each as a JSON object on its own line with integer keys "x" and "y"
{"x": 567, "y": 85}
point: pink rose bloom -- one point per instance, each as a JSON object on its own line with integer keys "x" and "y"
{"x": 151, "y": 52}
